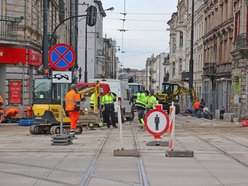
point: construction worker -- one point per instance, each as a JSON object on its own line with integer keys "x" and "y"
{"x": 29, "y": 112}
{"x": 109, "y": 108}
{"x": 1, "y": 108}
{"x": 140, "y": 104}
{"x": 195, "y": 108}
{"x": 72, "y": 106}
{"x": 92, "y": 100}
{"x": 11, "y": 113}
{"x": 151, "y": 100}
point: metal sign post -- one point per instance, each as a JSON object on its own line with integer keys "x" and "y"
{"x": 61, "y": 110}
{"x": 61, "y": 57}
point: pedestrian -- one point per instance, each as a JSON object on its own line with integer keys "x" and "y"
{"x": 72, "y": 106}
{"x": 1, "y": 108}
{"x": 109, "y": 108}
{"x": 141, "y": 104}
{"x": 151, "y": 100}
{"x": 11, "y": 113}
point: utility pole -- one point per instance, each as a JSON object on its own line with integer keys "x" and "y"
{"x": 191, "y": 61}
{"x": 85, "y": 54}
{"x": 45, "y": 36}
{"x": 73, "y": 35}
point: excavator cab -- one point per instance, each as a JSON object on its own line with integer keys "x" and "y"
{"x": 169, "y": 89}
{"x": 47, "y": 106}
{"x": 46, "y": 92}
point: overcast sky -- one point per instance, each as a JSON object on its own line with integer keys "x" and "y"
{"x": 146, "y": 24}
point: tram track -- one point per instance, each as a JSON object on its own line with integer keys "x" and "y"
{"x": 224, "y": 152}
{"x": 92, "y": 166}
{"x": 141, "y": 167}
{"x": 90, "y": 172}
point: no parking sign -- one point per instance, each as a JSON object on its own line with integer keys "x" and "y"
{"x": 157, "y": 121}
{"x": 61, "y": 56}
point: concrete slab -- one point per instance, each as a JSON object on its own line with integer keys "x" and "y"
{"x": 158, "y": 143}
{"x": 126, "y": 152}
{"x": 179, "y": 153}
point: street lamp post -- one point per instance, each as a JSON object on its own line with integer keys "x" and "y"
{"x": 86, "y": 44}
{"x": 85, "y": 50}
{"x": 45, "y": 36}
{"x": 191, "y": 61}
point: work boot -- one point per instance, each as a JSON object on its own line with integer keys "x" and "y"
{"x": 72, "y": 134}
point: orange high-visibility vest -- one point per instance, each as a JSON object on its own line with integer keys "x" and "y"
{"x": 197, "y": 105}
{"x": 1, "y": 102}
{"x": 12, "y": 112}
{"x": 72, "y": 99}
{"x": 29, "y": 111}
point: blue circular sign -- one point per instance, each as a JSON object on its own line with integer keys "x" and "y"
{"x": 61, "y": 56}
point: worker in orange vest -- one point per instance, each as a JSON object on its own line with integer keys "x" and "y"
{"x": 197, "y": 106}
{"x": 195, "y": 109}
{"x": 29, "y": 111}
{"x": 11, "y": 113}
{"x": 72, "y": 106}
{"x": 1, "y": 108}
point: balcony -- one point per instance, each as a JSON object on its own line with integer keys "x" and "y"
{"x": 241, "y": 47}
{"x": 9, "y": 27}
{"x": 209, "y": 70}
{"x": 241, "y": 41}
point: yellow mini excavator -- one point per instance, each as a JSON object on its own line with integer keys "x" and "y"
{"x": 171, "y": 92}
{"x": 47, "y": 107}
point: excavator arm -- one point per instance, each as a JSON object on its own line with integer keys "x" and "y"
{"x": 182, "y": 90}
{"x": 96, "y": 90}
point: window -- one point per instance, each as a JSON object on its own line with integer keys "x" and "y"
{"x": 180, "y": 66}
{"x": 174, "y": 45}
{"x": 237, "y": 25}
{"x": 181, "y": 39}
{"x": 173, "y": 68}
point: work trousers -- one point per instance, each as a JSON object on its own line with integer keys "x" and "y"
{"x": 141, "y": 114}
{"x": 74, "y": 117}
{"x": 109, "y": 112}
{"x": 1, "y": 115}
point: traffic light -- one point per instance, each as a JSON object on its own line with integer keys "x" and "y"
{"x": 91, "y": 16}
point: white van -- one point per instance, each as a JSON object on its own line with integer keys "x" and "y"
{"x": 121, "y": 89}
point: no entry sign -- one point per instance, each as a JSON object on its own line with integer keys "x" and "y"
{"x": 61, "y": 56}
{"x": 157, "y": 121}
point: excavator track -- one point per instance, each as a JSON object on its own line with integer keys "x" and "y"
{"x": 52, "y": 129}
{"x": 35, "y": 129}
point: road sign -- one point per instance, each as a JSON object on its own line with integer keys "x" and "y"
{"x": 61, "y": 56}
{"x": 61, "y": 76}
{"x": 157, "y": 121}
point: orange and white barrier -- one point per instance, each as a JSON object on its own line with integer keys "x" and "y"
{"x": 172, "y": 126}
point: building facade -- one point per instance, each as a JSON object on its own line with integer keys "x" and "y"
{"x": 240, "y": 58}
{"x": 21, "y": 27}
{"x": 218, "y": 35}
{"x": 98, "y": 51}
{"x": 156, "y": 72}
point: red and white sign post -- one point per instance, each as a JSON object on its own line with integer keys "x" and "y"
{"x": 157, "y": 122}
{"x": 172, "y": 126}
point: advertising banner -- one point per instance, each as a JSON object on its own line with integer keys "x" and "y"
{"x": 15, "y": 92}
